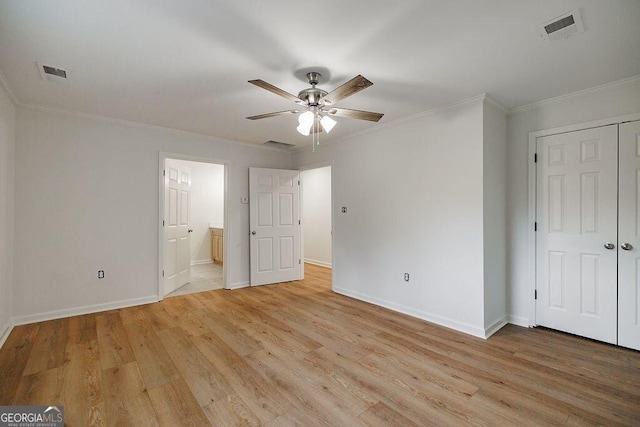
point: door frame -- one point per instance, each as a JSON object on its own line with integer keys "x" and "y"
{"x": 161, "y": 189}
{"x": 532, "y": 193}
{"x": 333, "y": 234}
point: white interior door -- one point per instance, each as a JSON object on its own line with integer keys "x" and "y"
{"x": 577, "y": 216}
{"x": 629, "y": 237}
{"x": 177, "y": 204}
{"x": 274, "y": 220}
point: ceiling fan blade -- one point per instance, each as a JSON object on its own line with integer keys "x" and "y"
{"x": 354, "y": 85}
{"x": 355, "y": 114}
{"x": 276, "y": 90}
{"x": 277, "y": 113}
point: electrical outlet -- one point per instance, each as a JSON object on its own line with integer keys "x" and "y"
{"x": 406, "y": 277}
{"x": 100, "y": 274}
{"x": 344, "y": 209}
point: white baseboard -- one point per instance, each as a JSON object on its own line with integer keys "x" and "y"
{"x": 5, "y": 334}
{"x": 239, "y": 285}
{"x": 96, "y": 308}
{"x": 519, "y": 321}
{"x": 202, "y": 261}
{"x": 433, "y": 318}
{"x": 495, "y": 327}
{"x": 320, "y": 263}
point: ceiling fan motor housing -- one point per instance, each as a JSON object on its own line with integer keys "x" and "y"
{"x": 312, "y": 96}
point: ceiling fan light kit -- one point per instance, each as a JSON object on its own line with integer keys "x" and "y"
{"x": 316, "y": 103}
{"x": 327, "y": 123}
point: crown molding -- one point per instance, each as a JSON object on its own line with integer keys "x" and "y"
{"x": 130, "y": 123}
{"x": 433, "y": 111}
{"x": 482, "y": 98}
{"x": 4, "y": 85}
{"x": 490, "y": 101}
{"x": 561, "y": 98}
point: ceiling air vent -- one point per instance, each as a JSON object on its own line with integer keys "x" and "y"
{"x": 561, "y": 27}
{"x": 278, "y": 144}
{"x": 53, "y": 74}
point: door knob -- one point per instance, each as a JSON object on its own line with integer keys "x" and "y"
{"x": 253, "y": 232}
{"x": 626, "y": 246}
{"x": 609, "y": 245}
{"x": 191, "y": 230}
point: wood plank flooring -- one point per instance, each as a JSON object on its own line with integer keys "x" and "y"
{"x": 298, "y": 354}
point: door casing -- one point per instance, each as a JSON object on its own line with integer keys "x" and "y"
{"x": 302, "y": 195}
{"x": 161, "y": 191}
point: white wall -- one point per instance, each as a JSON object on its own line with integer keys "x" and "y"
{"x": 316, "y": 215}
{"x": 207, "y": 206}
{"x": 608, "y": 101}
{"x": 495, "y": 212}
{"x": 86, "y": 193}
{"x": 414, "y": 193}
{"x": 7, "y": 146}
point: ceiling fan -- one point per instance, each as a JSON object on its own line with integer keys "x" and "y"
{"x": 317, "y": 104}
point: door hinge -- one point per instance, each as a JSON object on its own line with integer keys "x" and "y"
{"x": 535, "y": 226}
{"x": 162, "y": 273}
{"x": 299, "y": 262}
{"x": 298, "y": 182}
{"x": 535, "y": 158}
{"x": 163, "y": 222}
{"x": 299, "y": 222}
{"x": 535, "y": 294}
{"x": 163, "y": 172}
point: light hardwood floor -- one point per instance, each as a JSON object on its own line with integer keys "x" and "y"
{"x": 296, "y": 353}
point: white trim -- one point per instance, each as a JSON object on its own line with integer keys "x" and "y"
{"x": 586, "y": 125}
{"x": 319, "y": 165}
{"x": 433, "y": 318}
{"x": 239, "y": 285}
{"x": 497, "y": 325}
{"x": 320, "y": 263}
{"x": 162, "y": 156}
{"x": 518, "y": 321}
{"x": 531, "y": 235}
{"x": 561, "y": 98}
{"x": 78, "y": 311}
{"x": 437, "y": 110}
{"x": 4, "y": 86}
{"x": 202, "y": 261}
{"x": 146, "y": 126}
{"x": 488, "y": 100}
{"x": 6, "y": 333}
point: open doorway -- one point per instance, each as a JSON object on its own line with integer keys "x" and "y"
{"x": 316, "y": 216}
{"x": 192, "y": 209}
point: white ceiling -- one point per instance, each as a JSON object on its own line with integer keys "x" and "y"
{"x": 185, "y": 64}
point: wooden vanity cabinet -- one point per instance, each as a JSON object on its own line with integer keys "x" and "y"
{"x": 216, "y": 245}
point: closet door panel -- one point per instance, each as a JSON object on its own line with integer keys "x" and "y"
{"x": 629, "y": 237}
{"x": 577, "y": 215}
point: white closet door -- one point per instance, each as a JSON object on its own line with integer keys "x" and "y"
{"x": 629, "y": 237}
{"x": 577, "y": 215}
